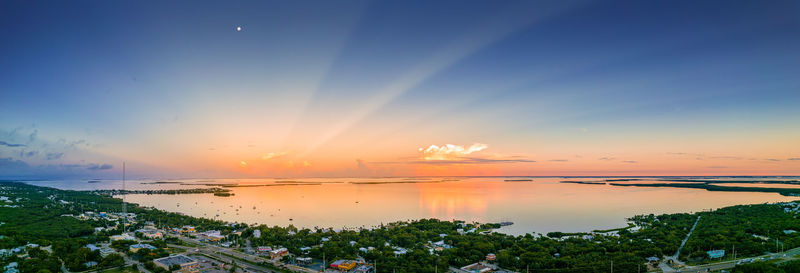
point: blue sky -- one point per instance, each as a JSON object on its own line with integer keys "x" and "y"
{"x": 176, "y": 91}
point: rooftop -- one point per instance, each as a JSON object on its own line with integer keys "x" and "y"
{"x": 174, "y": 260}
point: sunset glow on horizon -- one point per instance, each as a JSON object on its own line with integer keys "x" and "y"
{"x": 385, "y": 89}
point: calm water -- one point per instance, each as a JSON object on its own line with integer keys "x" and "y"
{"x": 542, "y": 205}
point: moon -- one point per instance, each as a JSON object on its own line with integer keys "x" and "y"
{"x": 239, "y": 28}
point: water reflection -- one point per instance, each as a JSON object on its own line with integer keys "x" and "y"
{"x": 542, "y": 205}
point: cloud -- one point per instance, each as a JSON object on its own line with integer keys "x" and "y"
{"x": 450, "y": 154}
{"x": 76, "y": 143}
{"x": 727, "y": 157}
{"x": 450, "y": 151}
{"x": 558, "y": 160}
{"x": 11, "y": 164}
{"x": 99, "y": 167}
{"x": 772, "y": 159}
{"x": 606, "y": 158}
{"x": 28, "y": 153}
{"x": 466, "y": 160}
{"x": 794, "y": 159}
{"x": 3, "y": 143}
{"x": 717, "y": 167}
{"x": 33, "y": 135}
{"x": 630, "y": 161}
{"x": 272, "y": 155}
{"x": 53, "y": 156}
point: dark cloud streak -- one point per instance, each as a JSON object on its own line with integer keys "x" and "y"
{"x": 3, "y": 143}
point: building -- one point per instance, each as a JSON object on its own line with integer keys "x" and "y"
{"x": 123, "y": 236}
{"x": 11, "y": 268}
{"x": 107, "y": 251}
{"x": 264, "y": 249}
{"x": 212, "y": 236}
{"x": 135, "y": 248}
{"x": 277, "y": 253}
{"x": 184, "y": 229}
{"x": 304, "y": 261}
{"x": 364, "y": 269}
{"x": 344, "y": 265}
{"x": 491, "y": 257}
{"x": 713, "y": 254}
{"x": 400, "y": 251}
{"x": 257, "y": 233}
{"x": 151, "y": 233}
{"x": 477, "y": 268}
{"x": 186, "y": 264}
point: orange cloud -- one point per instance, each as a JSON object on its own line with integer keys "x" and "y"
{"x": 272, "y": 155}
{"x": 450, "y": 151}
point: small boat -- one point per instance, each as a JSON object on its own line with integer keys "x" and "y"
{"x": 290, "y": 219}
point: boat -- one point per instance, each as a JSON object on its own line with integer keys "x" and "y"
{"x": 506, "y": 223}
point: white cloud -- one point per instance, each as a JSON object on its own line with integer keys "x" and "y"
{"x": 272, "y": 155}
{"x": 450, "y": 151}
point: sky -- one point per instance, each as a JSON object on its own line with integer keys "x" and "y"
{"x": 189, "y": 89}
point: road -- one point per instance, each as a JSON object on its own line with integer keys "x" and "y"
{"x": 237, "y": 254}
{"x": 783, "y": 256}
{"x": 666, "y": 267}
{"x": 212, "y": 251}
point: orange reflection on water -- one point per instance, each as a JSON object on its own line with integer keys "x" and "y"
{"x": 446, "y": 201}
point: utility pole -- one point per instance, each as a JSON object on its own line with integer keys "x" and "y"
{"x": 124, "y": 207}
{"x": 612, "y": 266}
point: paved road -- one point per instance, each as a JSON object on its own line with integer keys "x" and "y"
{"x": 666, "y": 267}
{"x": 212, "y": 251}
{"x": 782, "y": 256}
{"x": 129, "y": 262}
{"x": 237, "y": 254}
